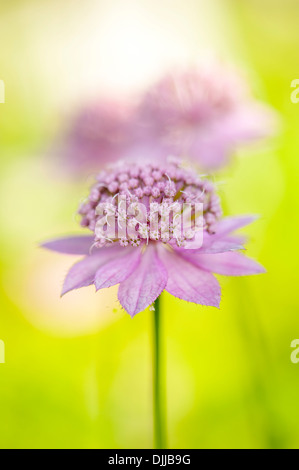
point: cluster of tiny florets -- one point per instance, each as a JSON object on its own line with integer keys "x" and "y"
{"x": 158, "y": 188}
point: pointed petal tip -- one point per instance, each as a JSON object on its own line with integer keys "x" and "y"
{"x": 136, "y": 311}
{"x": 256, "y": 268}
{"x": 256, "y": 271}
{"x": 42, "y": 246}
{"x": 247, "y": 218}
{"x": 64, "y": 292}
{"x": 132, "y": 315}
{"x": 70, "y": 245}
{"x": 215, "y": 303}
{"x": 262, "y": 270}
{"x": 238, "y": 248}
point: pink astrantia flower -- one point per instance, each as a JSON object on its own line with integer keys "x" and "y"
{"x": 203, "y": 113}
{"x": 144, "y": 262}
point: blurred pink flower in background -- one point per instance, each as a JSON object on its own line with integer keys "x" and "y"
{"x": 203, "y": 113}
{"x": 97, "y": 134}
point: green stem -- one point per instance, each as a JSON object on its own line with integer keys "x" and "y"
{"x": 158, "y": 408}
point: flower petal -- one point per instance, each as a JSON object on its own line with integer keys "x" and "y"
{"x": 118, "y": 269}
{"x": 145, "y": 283}
{"x": 83, "y": 273}
{"x": 70, "y": 245}
{"x": 211, "y": 245}
{"x": 230, "y": 224}
{"x": 249, "y": 122}
{"x": 221, "y": 241}
{"x": 228, "y": 264}
{"x": 217, "y": 246}
{"x": 187, "y": 282}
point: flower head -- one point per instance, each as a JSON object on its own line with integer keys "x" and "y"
{"x": 134, "y": 205}
{"x": 203, "y": 113}
{"x": 143, "y": 259}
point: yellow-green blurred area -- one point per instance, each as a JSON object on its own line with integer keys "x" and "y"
{"x": 78, "y": 369}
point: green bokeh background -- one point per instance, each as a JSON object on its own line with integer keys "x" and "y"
{"x": 78, "y": 370}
